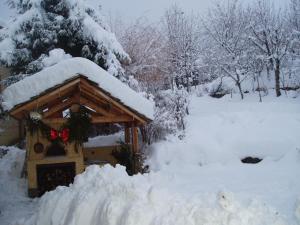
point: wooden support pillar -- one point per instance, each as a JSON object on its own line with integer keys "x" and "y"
{"x": 135, "y": 150}
{"x": 21, "y": 133}
{"x": 127, "y": 134}
{"x": 135, "y": 144}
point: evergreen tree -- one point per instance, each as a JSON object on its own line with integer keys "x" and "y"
{"x": 43, "y": 25}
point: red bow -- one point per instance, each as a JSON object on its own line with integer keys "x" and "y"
{"x": 63, "y": 134}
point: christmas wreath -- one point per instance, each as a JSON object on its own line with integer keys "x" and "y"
{"x": 76, "y": 128}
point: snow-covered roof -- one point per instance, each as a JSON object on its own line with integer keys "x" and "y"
{"x": 34, "y": 85}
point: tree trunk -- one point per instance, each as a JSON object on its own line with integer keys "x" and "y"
{"x": 238, "y": 83}
{"x": 240, "y": 89}
{"x": 188, "y": 85}
{"x": 277, "y": 77}
{"x": 258, "y": 86}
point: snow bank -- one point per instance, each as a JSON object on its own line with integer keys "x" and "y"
{"x": 13, "y": 189}
{"x": 49, "y": 77}
{"x": 105, "y": 140}
{"x": 108, "y": 196}
{"x": 12, "y": 161}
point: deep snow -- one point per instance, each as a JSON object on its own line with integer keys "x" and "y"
{"x": 197, "y": 180}
{"x": 14, "y": 203}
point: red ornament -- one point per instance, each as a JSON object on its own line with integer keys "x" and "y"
{"x": 63, "y": 135}
{"x": 53, "y": 134}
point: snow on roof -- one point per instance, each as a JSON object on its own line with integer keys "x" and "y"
{"x": 34, "y": 85}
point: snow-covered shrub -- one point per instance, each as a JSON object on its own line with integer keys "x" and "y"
{"x": 219, "y": 87}
{"x": 124, "y": 157}
{"x": 171, "y": 107}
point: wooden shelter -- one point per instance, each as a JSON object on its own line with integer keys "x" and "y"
{"x": 49, "y": 164}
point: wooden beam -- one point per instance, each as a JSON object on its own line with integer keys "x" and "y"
{"x": 94, "y": 106}
{"x": 100, "y": 92}
{"x": 112, "y": 119}
{"x": 55, "y": 121}
{"x": 87, "y": 94}
{"x": 60, "y": 106}
{"x": 91, "y": 95}
{"x": 100, "y": 102}
{"x": 96, "y": 119}
{"x": 45, "y": 98}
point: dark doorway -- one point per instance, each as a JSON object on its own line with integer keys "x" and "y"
{"x": 49, "y": 176}
{"x": 55, "y": 149}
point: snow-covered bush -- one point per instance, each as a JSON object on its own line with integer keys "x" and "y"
{"x": 171, "y": 107}
{"x": 218, "y": 89}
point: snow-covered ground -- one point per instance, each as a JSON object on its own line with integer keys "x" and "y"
{"x": 107, "y": 140}
{"x": 197, "y": 180}
{"x": 14, "y": 203}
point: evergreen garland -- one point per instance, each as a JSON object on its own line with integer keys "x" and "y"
{"x": 78, "y": 124}
{"x": 34, "y": 125}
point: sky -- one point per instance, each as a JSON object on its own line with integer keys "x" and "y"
{"x": 153, "y": 9}
{"x": 129, "y": 10}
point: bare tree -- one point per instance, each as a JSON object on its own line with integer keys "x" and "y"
{"x": 226, "y": 27}
{"x": 294, "y": 14}
{"x": 182, "y": 46}
{"x": 271, "y": 37}
{"x": 144, "y": 43}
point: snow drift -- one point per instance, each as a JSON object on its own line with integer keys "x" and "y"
{"x": 108, "y": 196}
{"x": 13, "y": 189}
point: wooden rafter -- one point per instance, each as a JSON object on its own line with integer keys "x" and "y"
{"x": 94, "y": 106}
{"x": 95, "y": 119}
{"x": 42, "y": 100}
{"x": 59, "y": 107}
{"x": 98, "y": 91}
{"x": 80, "y": 91}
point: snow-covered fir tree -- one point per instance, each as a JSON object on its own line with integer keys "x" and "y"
{"x": 72, "y": 26}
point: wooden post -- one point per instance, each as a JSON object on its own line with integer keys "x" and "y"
{"x": 135, "y": 143}
{"x": 135, "y": 150}
{"x": 21, "y": 133}
{"x": 127, "y": 134}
